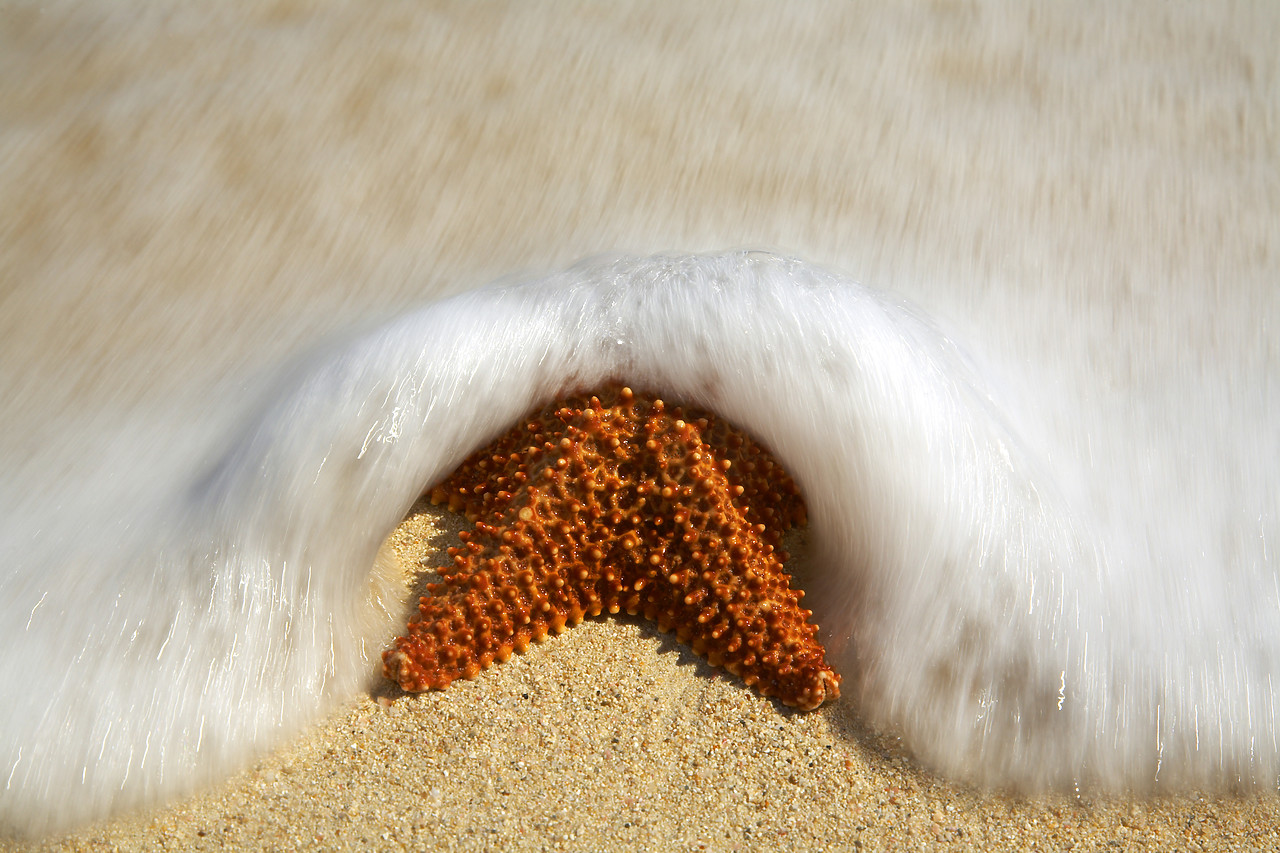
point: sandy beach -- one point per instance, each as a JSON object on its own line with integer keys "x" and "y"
{"x": 200, "y": 192}
{"x": 614, "y": 736}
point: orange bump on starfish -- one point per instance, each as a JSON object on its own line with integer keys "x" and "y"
{"x": 614, "y": 503}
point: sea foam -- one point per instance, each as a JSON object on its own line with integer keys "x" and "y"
{"x": 1020, "y": 620}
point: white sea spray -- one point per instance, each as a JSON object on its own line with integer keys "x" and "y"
{"x": 1021, "y": 618}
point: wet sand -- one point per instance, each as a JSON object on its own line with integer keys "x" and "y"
{"x": 331, "y": 163}
{"x": 614, "y": 736}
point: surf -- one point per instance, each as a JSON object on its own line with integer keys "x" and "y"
{"x": 1023, "y": 620}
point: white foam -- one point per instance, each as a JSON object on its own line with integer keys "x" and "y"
{"x": 1020, "y": 618}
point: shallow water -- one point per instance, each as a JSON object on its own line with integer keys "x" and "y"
{"x": 1039, "y": 444}
{"x": 1033, "y": 592}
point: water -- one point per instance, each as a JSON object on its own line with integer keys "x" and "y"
{"x": 1040, "y": 445}
{"x": 1041, "y": 574}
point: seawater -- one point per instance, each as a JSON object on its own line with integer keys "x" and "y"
{"x": 1042, "y": 575}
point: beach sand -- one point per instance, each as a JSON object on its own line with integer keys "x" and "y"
{"x": 614, "y": 736}
{"x": 229, "y": 183}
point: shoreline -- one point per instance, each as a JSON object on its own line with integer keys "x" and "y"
{"x": 615, "y": 736}
{"x": 199, "y": 192}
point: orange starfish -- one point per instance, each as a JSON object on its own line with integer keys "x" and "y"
{"x": 616, "y": 504}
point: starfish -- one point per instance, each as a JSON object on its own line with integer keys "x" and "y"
{"x": 616, "y": 502}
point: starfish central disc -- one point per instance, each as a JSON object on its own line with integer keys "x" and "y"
{"x": 611, "y": 503}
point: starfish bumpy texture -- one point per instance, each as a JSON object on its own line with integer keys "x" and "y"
{"x": 614, "y": 503}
